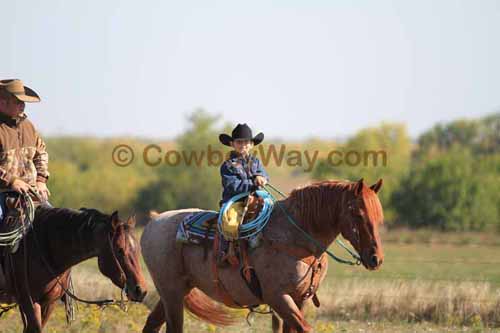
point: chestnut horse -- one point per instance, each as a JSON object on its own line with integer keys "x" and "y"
{"x": 60, "y": 239}
{"x": 288, "y": 266}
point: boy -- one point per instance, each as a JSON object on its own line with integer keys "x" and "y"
{"x": 242, "y": 172}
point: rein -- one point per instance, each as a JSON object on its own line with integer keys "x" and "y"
{"x": 311, "y": 239}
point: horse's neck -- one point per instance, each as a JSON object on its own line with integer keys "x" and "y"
{"x": 68, "y": 245}
{"x": 282, "y": 230}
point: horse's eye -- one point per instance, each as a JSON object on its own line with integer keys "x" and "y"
{"x": 121, "y": 252}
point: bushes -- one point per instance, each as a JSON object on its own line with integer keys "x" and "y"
{"x": 454, "y": 191}
{"x": 454, "y": 180}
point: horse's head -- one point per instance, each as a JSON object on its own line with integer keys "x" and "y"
{"x": 360, "y": 227}
{"x": 118, "y": 258}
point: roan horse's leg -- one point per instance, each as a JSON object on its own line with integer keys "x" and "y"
{"x": 169, "y": 309}
{"x": 155, "y": 319}
{"x": 293, "y": 319}
{"x": 174, "y": 310}
{"x": 277, "y": 324}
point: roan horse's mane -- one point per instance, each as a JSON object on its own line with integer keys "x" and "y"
{"x": 319, "y": 204}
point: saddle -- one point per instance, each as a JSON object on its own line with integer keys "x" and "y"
{"x": 201, "y": 228}
{"x": 205, "y": 228}
{"x": 230, "y": 248}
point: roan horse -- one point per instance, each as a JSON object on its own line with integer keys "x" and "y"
{"x": 288, "y": 266}
{"x": 60, "y": 239}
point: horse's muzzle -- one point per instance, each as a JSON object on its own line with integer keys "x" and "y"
{"x": 375, "y": 261}
{"x": 136, "y": 294}
{"x": 372, "y": 262}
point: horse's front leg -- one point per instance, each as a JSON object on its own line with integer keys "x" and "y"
{"x": 155, "y": 319}
{"x": 290, "y": 313}
{"x": 46, "y": 311}
{"x": 33, "y": 315}
{"x": 54, "y": 292}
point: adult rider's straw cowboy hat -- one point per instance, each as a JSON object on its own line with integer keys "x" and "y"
{"x": 17, "y": 88}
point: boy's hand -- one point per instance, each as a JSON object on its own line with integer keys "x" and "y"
{"x": 251, "y": 200}
{"x": 260, "y": 181}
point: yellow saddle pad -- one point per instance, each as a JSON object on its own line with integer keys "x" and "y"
{"x": 231, "y": 220}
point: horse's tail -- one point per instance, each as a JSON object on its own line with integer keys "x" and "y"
{"x": 205, "y": 309}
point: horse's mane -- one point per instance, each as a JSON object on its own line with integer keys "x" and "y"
{"x": 373, "y": 206}
{"x": 320, "y": 204}
{"x": 65, "y": 217}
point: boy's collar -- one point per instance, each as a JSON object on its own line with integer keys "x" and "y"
{"x": 235, "y": 154}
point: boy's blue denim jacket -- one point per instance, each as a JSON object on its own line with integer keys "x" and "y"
{"x": 238, "y": 175}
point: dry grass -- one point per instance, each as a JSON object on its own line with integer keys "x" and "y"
{"x": 470, "y": 304}
{"x": 371, "y": 298}
{"x": 361, "y": 304}
{"x": 419, "y": 288}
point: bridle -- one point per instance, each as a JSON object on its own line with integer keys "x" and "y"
{"x": 123, "y": 276}
{"x": 354, "y": 227}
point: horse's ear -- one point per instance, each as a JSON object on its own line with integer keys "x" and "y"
{"x": 115, "y": 220}
{"x": 376, "y": 187}
{"x": 131, "y": 221}
{"x": 358, "y": 187}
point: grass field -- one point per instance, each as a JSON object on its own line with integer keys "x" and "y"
{"x": 429, "y": 282}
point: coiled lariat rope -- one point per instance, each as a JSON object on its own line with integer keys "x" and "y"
{"x": 12, "y": 238}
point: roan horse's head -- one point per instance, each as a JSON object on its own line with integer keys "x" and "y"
{"x": 118, "y": 257}
{"x": 361, "y": 222}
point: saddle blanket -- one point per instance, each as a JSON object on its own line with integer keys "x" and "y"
{"x": 195, "y": 227}
{"x": 198, "y": 227}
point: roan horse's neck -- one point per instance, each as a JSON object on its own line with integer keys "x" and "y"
{"x": 282, "y": 230}
{"x": 67, "y": 237}
{"x": 319, "y": 216}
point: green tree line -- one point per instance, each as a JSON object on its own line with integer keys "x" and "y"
{"x": 448, "y": 178}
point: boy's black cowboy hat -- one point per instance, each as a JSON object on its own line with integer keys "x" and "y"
{"x": 241, "y": 131}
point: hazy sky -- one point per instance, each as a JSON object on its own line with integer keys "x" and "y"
{"x": 292, "y": 69}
